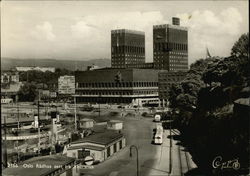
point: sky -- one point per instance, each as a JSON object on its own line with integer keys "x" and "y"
{"x": 81, "y": 30}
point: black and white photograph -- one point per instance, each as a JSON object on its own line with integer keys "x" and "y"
{"x": 125, "y": 88}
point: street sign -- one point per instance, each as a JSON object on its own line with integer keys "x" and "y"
{"x": 88, "y": 160}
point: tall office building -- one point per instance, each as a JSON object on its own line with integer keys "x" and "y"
{"x": 127, "y": 48}
{"x": 170, "y": 44}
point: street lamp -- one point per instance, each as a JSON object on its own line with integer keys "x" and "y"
{"x": 130, "y": 154}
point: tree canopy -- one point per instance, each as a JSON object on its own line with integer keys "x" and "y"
{"x": 205, "y": 99}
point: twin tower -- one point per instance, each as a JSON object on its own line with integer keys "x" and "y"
{"x": 170, "y": 48}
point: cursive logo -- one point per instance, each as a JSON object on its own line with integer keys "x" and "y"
{"x": 231, "y": 164}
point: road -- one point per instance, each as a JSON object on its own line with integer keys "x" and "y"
{"x": 138, "y": 132}
{"x": 153, "y": 159}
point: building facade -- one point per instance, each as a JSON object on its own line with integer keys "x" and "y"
{"x": 9, "y": 77}
{"x": 99, "y": 146}
{"x": 66, "y": 85}
{"x": 165, "y": 80}
{"x": 170, "y": 46}
{"x": 10, "y": 85}
{"x": 116, "y": 85}
{"x": 127, "y": 48}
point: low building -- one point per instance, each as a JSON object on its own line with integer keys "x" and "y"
{"x": 115, "y": 125}
{"x": 6, "y": 100}
{"x": 116, "y": 85}
{"x": 42, "y": 166}
{"x": 100, "y": 146}
{"x": 86, "y": 123}
{"x": 9, "y": 77}
{"x": 11, "y": 90}
{"x": 165, "y": 80}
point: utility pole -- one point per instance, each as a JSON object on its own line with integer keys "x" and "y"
{"x": 18, "y": 126}
{"x": 137, "y": 157}
{"x": 5, "y": 144}
{"x": 99, "y": 105}
{"x": 75, "y": 114}
{"x": 170, "y": 148}
{"x": 38, "y": 116}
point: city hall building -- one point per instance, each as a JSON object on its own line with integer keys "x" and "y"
{"x": 116, "y": 85}
{"x": 170, "y": 46}
{"x": 127, "y": 48}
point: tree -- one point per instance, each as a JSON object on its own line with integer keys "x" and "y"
{"x": 213, "y": 128}
{"x": 28, "y": 92}
{"x": 240, "y": 48}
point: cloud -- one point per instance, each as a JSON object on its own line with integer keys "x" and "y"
{"x": 93, "y": 31}
{"x": 44, "y": 31}
{"x": 215, "y": 31}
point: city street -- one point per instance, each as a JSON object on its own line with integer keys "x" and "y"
{"x": 153, "y": 159}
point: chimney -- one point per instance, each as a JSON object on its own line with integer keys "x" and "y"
{"x": 176, "y": 21}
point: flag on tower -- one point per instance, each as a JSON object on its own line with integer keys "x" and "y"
{"x": 208, "y": 54}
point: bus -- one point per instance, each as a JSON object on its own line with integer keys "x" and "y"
{"x": 158, "y": 135}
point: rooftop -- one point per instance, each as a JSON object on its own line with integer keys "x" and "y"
{"x": 86, "y": 147}
{"x": 47, "y": 164}
{"x": 115, "y": 121}
{"x": 169, "y": 26}
{"x": 104, "y": 138}
{"x": 127, "y": 31}
{"x": 86, "y": 120}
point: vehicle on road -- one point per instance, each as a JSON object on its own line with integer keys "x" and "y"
{"x": 157, "y": 118}
{"x": 158, "y": 135}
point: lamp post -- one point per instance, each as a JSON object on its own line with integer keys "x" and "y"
{"x": 75, "y": 114}
{"x": 130, "y": 154}
{"x": 18, "y": 126}
{"x": 5, "y": 144}
{"x": 38, "y": 119}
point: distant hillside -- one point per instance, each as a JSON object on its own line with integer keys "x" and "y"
{"x": 8, "y": 63}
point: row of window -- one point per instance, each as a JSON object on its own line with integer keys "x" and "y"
{"x": 178, "y": 61}
{"x": 117, "y": 56}
{"x": 164, "y": 81}
{"x": 122, "y": 84}
{"x": 166, "y": 47}
{"x": 178, "y": 53}
{"x": 178, "y": 65}
{"x": 179, "y": 69}
{"x": 127, "y": 49}
{"x": 136, "y": 92}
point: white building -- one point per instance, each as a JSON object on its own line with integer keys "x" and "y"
{"x": 139, "y": 102}
{"x": 9, "y": 77}
{"x": 115, "y": 125}
{"x": 100, "y": 146}
{"x": 66, "y": 84}
{"x": 43, "y": 69}
{"x": 86, "y": 123}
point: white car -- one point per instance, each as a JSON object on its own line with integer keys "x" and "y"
{"x": 157, "y": 118}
